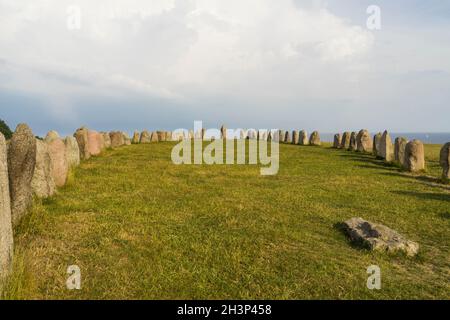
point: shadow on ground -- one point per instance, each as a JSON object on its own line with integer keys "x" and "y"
{"x": 425, "y": 195}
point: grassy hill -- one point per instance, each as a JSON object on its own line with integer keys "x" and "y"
{"x": 140, "y": 227}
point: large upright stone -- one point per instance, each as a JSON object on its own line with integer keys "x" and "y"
{"x": 444, "y": 160}
{"x": 126, "y": 138}
{"x": 161, "y": 136}
{"x": 376, "y": 144}
{"x": 135, "y": 139}
{"x": 399, "y": 150}
{"x": 287, "y": 137}
{"x": 337, "y": 141}
{"x": 60, "y": 167}
{"x": 146, "y": 137}
{"x": 295, "y": 137}
{"x": 155, "y": 137}
{"x": 72, "y": 152}
{"x": 315, "y": 139}
{"x": 352, "y": 146}
{"x": 95, "y": 142}
{"x": 386, "y": 147}
{"x": 169, "y": 136}
{"x": 107, "y": 140}
{"x": 345, "y": 142}
{"x": 303, "y": 138}
{"x": 117, "y": 139}
{"x": 364, "y": 141}
{"x": 82, "y": 139}
{"x": 281, "y": 135}
{"x": 414, "y": 156}
{"x": 6, "y": 232}
{"x": 21, "y": 163}
{"x": 51, "y": 135}
{"x": 43, "y": 184}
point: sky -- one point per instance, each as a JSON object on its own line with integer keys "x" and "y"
{"x": 161, "y": 64}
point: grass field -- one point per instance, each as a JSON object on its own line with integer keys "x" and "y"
{"x": 140, "y": 227}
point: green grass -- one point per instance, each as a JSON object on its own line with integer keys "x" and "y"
{"x": 140, "y": 227}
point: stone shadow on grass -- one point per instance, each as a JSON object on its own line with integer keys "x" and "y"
{"x": 425, "y": 195}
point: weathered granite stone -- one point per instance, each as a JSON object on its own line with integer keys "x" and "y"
{"x": 345, "y": 142}
{"x": 60, "y": 167}
{"x": 82, "y": 139}
{"x": 386, "y": 150}
{"x": 21, "y": 163}
{"x": 303, "y": 138}
{"x": 295, "y": 137}
{"x": 337, "y": 141}
{"x": 146, "y": 137}
{"x": 376, "y": 144}
{"x": 136, "y": 138}
{"x": 6, "y": 232}
{"x": 95, "y": 142}
{"x": 399, "y": 150}
{"x": 51, "y": 135}
{"x": 281, "y": 135}
{"x": 414, "y": 156}
{"x": 154, "y": 137}
{"x": 126, "y": 138}
{"x": 352, "y": 146}
{"x": 378, "y": 237}
{"x": 444, "y": 160}
{"x": 169, "y": 135}
{"x": 287, "y": 137}
{"x": 314, "y": 140}
{"x": 117, "y": 139}
{"x": 42, "y": 184}
{"x": 363, "y": 141}
{"x": 161, "y": 136}
{"x": 72, "y": 152}
{"x": 107, "y": 140}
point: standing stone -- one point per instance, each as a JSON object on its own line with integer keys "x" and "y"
{"x": 51, "y": 136}
{"x": 42, "y": 184}
{"x": 135, "y": 139}
{"x": 72, "y": 152}
{"x": 155, "y": 137}
{"x": 399, "y": 150}
{"x": 117, "y": 139}
{"x": 281, "y": 135}
{"x": 106, "y": 140}
{"x": 287, "y": 137}
{"x": 386, "y": 147}
{"x": 82, "y": 139}
{"x": 191, "y": 134}
{"x": 303, "y": 138}
{"x": 414, "y": 156}
{"x": 145, "y": 137}
{"x": 295, "y": 137}
{"x": 444, "y": 160}
{"x": 363, "y": 141}
{"x": 352, "y": 146}
{"x": 21, "y": 163}
{"x": 6, "y": 233}
{"x": 337, "y": 141}
{"x": 376, "y": 144}
{"x": 95, "y": 142}
{"x": 345, "y": 142}
{"x": 161, "y": 136}
{"x": 223, "y": 132}
{"x": 60, "y": 167}
{"x": 169, "y": 136}
{"x": 315, "y": 139}
{"x": 126, "y": 138}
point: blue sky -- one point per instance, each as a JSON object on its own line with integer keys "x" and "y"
{"x": 248, "y": 63}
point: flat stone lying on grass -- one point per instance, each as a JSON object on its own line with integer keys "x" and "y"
{"x": 43, "y": 184}
{"x": 6, "y": 232}
{"x": 444, "y": 160}
{"x": 414, "y": 156}
{"x": 21, "y": 163}
{"x": 315, "y": 139}
{"x": 363, "y": 141}
{"x": 378, "y": 237}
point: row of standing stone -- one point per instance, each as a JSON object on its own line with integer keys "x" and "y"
{"x": 410, "y": 155}
{"x": 32, "y": 166}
